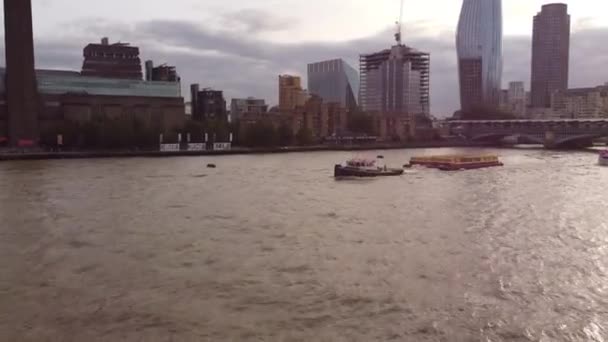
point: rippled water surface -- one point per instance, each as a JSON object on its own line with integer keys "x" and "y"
{"x": 272, "y": 248}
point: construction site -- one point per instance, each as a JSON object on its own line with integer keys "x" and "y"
{"x": 420, "y": 62}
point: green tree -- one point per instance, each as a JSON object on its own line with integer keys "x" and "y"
{"x": 304, "y": 137}
{"x": 285, "y": 135}
{"x": 361, "y": 123}
{"x": 261, "y": 134}
{"x": 196, "y": 130}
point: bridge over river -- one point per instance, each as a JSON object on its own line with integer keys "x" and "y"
{"x": 557, "y": 133}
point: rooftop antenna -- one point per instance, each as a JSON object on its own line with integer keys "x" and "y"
{"x": 399, "y": 25}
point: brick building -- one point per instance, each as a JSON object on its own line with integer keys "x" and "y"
{"x": 163, "y": 73}
{"x": 68, "y": 96}
{"x": 291, "y": 94}
{"x": 19, "y": 93}
{"x": 118, "y": 60}
{"x": 208, "y": 104}
{"x": 239, "y": 107}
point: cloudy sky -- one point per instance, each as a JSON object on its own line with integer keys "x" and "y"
{"x": 241, "y": 46}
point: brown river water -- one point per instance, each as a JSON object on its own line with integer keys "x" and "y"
{"x": 272, "y": 248}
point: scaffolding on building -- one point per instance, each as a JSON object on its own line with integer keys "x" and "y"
{"x": 421, "y": 61}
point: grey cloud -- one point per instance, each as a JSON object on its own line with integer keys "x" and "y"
{"x": 256, "y": 21}
{"x": 223, "y": 59}
{"x": 588, "y": 56}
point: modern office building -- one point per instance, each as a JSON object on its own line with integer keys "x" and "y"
{"x": 118, "y": 60}
{"x": 479, "y": 47}
{"x": 20, "y": 112}
{"x": 550, "y": 53}
{"x": 395, "y": 81}
{"x": 503, "y": 100}
{"x": 517, "y": 99}
{"x": 208, "y": 104}
{"x": 291, "y": 94}
{"x": 334, "y": 81}
{"x": 513, "y": 99}
{"x": 251, "y": 105}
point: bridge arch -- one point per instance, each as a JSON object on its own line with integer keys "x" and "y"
{"x": 490, "y": 137}
{"x": 577, "y": 140}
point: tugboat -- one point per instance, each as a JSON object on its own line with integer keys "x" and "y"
{"x": 603, "y": 158}
{"x": 364, "y": 168}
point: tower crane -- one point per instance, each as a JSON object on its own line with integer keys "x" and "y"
{"x": 399, "y": 25}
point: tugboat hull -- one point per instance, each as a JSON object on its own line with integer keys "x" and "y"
{"x": 345, "y": 171}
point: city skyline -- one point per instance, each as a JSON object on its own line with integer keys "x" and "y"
{"x": 207, "y": 54}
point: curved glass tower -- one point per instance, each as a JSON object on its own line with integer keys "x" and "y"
{"x": 479, "y": 46}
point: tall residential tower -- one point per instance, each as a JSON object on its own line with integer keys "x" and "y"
{"x": 550, "y": 53}
{"x": 479, "y": 46}
{"x": 395, "y": 81}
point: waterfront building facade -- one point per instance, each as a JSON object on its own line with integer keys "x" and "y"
{"x": 209, "y": 105}
{"x": 581, "y": 103}
{"x": 238, "y": 107}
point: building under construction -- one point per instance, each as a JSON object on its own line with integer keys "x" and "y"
{"x": 162, "y": 73}
{"x": 118, "y": 60}
{"x": 371, "y": 94}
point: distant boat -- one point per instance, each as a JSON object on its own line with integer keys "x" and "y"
{"x": 211, "y": 166}
{"x": 364, "y": 168}
{"x": 455, "y": 163}
{"x": 603, "y": 158}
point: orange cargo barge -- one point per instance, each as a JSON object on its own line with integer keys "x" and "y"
{"x": 454, "y": 163}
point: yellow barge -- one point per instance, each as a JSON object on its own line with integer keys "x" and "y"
{"x": 454, "y": 163}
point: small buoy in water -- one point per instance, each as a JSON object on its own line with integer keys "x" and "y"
{"x": 380, "y": 157}
{"x": 211, "y": 166}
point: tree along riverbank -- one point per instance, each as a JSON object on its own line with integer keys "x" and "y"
{"x": 81, "y": 154}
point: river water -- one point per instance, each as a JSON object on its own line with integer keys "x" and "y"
{"x": 272, "y": 248}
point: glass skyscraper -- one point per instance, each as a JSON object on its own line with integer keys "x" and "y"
{"x": 334, "y": 81}
{"x": 479, "y": 46}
